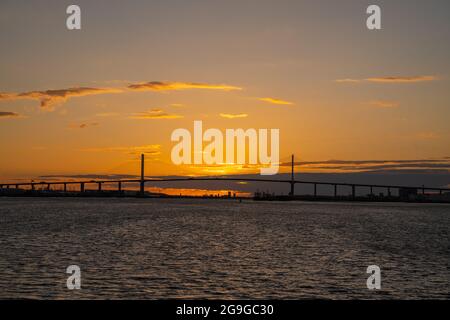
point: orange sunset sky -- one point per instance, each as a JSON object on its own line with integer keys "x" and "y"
{"x": 91, "y": 100}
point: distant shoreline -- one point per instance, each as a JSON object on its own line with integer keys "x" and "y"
{"x": 13, "y": 193}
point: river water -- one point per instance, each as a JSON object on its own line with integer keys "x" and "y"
{"x": 224, "y": 249}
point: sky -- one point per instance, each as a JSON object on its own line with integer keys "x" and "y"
{"x": 345, "y": 98}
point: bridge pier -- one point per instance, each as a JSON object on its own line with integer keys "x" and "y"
{"x": 353, "y": 191}
{"x": 119, "y": 186}
{"x": 48, "y": 187}
{"x": 32, "y": 187}
{"x": 82, "y": 187}
{"x": 389, "y": 192}
{"x": 371, "y": 191}
{"x": 99, "y": 186}
{"x": 315, "y": 190}
{"x": 335, "y": 190}
{"x": 65, "y": 187}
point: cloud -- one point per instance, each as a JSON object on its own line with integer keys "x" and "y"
{"x": 8, "y": 114}
{"x": 347, "y": 80}
{"x": 391, "y": 79}
{"x": 155, "y": 114}
{"x": 384, "y": 104}
{"x": 402, "y": 79}
{"x": 49, "y": 98}
{"x": 373, "y": 165}
{"x": 169, "y": 86}
{"x": 150, "y": 149}
{"x": 276, "y": 101}
{"x": 6, "y": 96}
{"x": 83, "y": 125}
{"x": 233, "y": 116}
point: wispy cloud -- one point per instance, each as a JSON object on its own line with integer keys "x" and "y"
{"x": 373, "y": 165}
{"x": 8, "y": 114}
{"x": 347, "y": 80}
{"x": 168, "y": 86}
{"x": 49, "y": 98}
{"x": 275, "y": 101}
{"x": 83, "y": 125}
{"x": 149, "y": 149}
{"x": 384, "y": 104}
{"x": 155, "y": 114}
{"x": 233, "y": 115}
{"x": 391, "y": 79}
{"x": 402, "y": 79}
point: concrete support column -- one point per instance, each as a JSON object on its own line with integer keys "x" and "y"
{"x": 65, "y": 187}
{"x": 353, "y": 191}
{"x": 119, "y": 186}
{"x": 315, "y": 189}
{"x": 99, "y": 186}
{"x": 335, "y": 190}
{"x": 82, "y": 187}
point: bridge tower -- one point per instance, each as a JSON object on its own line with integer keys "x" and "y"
{"x": 292, "y": 176}
{"x": 142, "y": 183}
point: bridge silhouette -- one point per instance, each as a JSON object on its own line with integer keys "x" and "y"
{"x": 292, "y": 182}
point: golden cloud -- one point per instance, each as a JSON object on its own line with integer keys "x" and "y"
{"x": 392, "y": 79}
{"x": 402, "y": 79}
{"x": 348, "y": 80}
{"x": 276, "y": 101}
{"x": 155, "y": 114}
{"x": 168, "y": 86}
{"x": 233, "y": 116}
{"x": 49, "y": 98}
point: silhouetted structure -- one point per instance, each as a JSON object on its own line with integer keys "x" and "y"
{"x": 406, "y": 193}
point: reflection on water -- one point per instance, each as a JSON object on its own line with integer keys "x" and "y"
{"x": 178, "y": 248}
